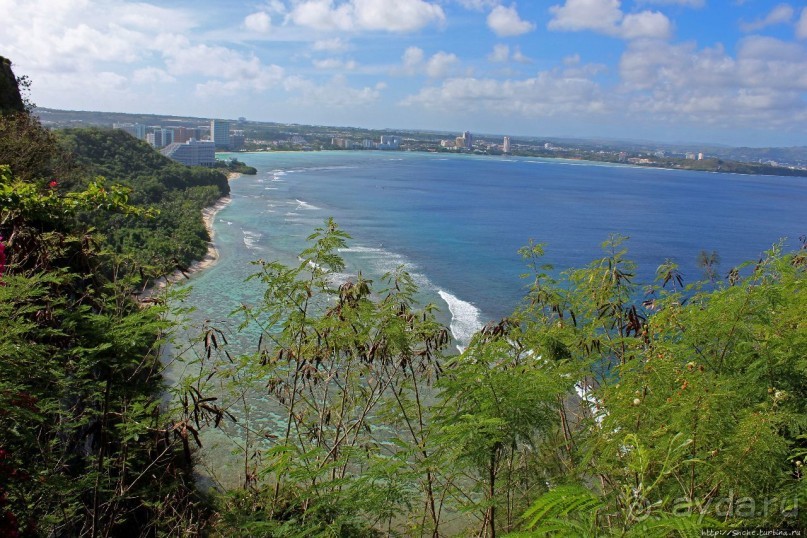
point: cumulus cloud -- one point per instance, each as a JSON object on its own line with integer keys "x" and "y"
{"x": 374, "y": 15}
{"x": 549, "y": 93}
{"x": 258, "y": 22}
{"x": 439, "y": 65}
{"x": 71, "y": 48}
{"x": 412, "y": 60}
{"x": 765, "y": 82}
{"x": 501, "y": 54}
{"x": 505, "y": 21}
{"x": 783, "y": 13}
{"x": 606, "y": 17}
{"x": 336, "y": 92}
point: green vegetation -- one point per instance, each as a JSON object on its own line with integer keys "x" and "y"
{"x": 87, "y": 447}
{"x": 176, "y": 236}
{"x": 600, "y": 407}
{"x": 84, "y": 447}
{"x": 235, "y": 166}
{"x": 586, "y": 412}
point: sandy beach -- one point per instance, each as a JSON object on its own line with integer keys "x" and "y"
{"x": 212, "y": 256}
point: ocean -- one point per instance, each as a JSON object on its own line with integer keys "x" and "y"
{"x": 456, "y": 222}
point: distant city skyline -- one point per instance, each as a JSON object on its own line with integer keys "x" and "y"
{"x": 722, "y": 71}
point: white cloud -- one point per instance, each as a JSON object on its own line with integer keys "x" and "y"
{"x": 478, "y": 5}
{"x": 687, "y": 3}
{"x": 412, "y": 60}
{"x": 647, "y": 24}
{"x": 519, "y": 57}
{"x": 336, "y": 92}
{"x": 501, "y": 54}
{"x": 598, "y": 15}
{"x": 151, "y": 75}
{"x": 373, "y": 15}
{"x": 335, "y": 63}
{"x": 606, "y": 17}
{"x": 441, "y": 64}
{"x": 549, "y": 93}
{"x": 229, "y": 70}
{"x": 764, "y": 84}
{"x": 505, "y": 21}
{"x": 331, "y": 45}
{"x": 801, "y": 25}
{"x": 258, "y": 22}
{"x": 783, "y": 13}
{"x": 70, "y": 48}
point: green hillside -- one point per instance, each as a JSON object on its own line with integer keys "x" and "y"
{"x": 176, "y": 236}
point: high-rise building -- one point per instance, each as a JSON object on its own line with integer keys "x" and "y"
{"x": 237, "y": 139}
{"x": 506, "y": 144}
{"x": 137, "y": 130}
{"x": 220, "y": 133}
{"x": 192, "y": 153}
{"x": 160, "y": 137}
{"x": 389, "y": 142}
{"x": 183, "y": 134}
{"x": 469, "y": 139}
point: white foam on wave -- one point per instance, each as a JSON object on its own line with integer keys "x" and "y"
{"x": 251, "y": 239}
{"x": 383, "y": 260}
{"x": 465, "y": 319}
{"x": 304, "y": 205}
{"x": 270, "y": 188}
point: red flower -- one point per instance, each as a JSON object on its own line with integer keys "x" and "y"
{"x": 53, "y": 184}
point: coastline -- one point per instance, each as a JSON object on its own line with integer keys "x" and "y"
{"x": 212, "y": 256}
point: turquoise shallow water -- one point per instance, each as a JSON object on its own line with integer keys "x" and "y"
{"x": 457, "y": 221}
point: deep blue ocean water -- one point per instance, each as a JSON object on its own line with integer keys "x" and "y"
{"x": 457, "y": 221}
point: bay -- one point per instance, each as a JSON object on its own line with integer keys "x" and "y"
{"x": 457, "y": 221}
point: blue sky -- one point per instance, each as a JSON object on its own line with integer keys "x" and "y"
{"x": 725, "y": 71}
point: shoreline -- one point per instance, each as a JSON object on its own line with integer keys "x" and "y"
{"x": 655, "y": 166}
{"x": 209, "y": 259}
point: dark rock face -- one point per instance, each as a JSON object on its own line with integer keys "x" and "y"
{"x": 10, "y": 98}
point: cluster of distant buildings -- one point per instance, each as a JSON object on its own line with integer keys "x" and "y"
{"x": 192, "y": 146}
{"x": 197, "y": 146}
{"x": 466, "y": 142}
{"x": 387, "y": 142}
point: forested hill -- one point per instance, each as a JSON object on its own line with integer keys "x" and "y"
{"x": 120, "y": 157}
{"x": 176, "y": 236}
